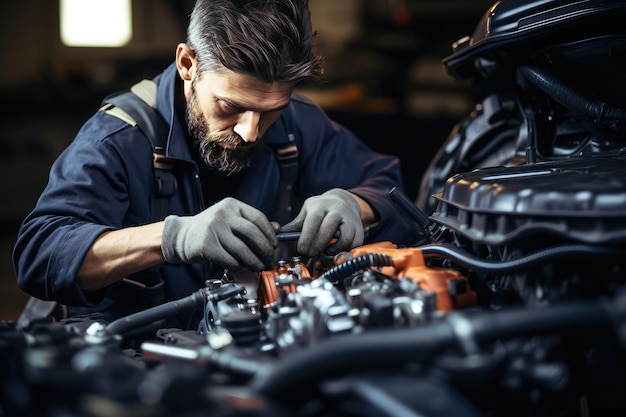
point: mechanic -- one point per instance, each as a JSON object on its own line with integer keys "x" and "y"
{"x": 91, "y": 244}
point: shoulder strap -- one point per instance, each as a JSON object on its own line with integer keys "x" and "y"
{"x": 287, "y": 155}
{"x": 137, "y": 107}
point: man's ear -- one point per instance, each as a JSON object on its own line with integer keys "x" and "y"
{"x": 185, "y": 61}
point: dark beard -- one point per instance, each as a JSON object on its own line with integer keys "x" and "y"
{"x": 220, "y": 158}
{"x": 226, "y": 152}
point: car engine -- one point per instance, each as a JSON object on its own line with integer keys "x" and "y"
{"x": 513, "y": 303}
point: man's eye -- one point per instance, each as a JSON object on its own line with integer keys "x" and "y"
{"x": 229, "y": 107}
{"x": 221, "y": 105}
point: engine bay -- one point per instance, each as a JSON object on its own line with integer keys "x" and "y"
{"x": 510, "y": 308}
{"x": 513, "y": 303}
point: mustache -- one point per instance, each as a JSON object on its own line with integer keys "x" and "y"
{"x": 231, "y": 140}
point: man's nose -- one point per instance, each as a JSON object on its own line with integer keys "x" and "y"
{"x": 248, "y": 126}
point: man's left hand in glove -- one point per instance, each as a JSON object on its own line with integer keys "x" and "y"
{"x": 321, "y": 217}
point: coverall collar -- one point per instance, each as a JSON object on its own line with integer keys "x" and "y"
{"x": 166, "y": 97}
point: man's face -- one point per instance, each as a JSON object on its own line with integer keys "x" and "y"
{"x": 228, "y": 113}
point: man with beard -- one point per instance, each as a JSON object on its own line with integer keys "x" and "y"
{"x": 91, "y": 244}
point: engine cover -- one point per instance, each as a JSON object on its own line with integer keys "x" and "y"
{"x": 580, "y": 199}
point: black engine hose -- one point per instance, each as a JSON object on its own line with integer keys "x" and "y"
{"x": 386, "y": 349}
{"x": 131, "y": 322}
{"x": 351, "y": 266}
{"x": 574, "y": 100}
{"x": 542, "y": 256}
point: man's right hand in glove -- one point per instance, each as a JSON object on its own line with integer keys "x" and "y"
{"x": 229, "y": 233}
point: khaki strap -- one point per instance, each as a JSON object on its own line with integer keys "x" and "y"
{"x": 147, "y": 91}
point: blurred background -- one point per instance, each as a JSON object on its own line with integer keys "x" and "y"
{"x": 384, "y": 80}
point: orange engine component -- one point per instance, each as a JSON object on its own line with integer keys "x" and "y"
{"x": 284, "y": 277}
{"x": 451, "y": 288}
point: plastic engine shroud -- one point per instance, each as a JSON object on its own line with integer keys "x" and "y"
{"x": 582, "y": 199}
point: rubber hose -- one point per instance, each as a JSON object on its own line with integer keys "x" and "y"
{"x": 142, "y": 318}
{"x": 347, "y": 268}
{"x": 542, "y": 256}
{"x": 574, "y": 100}
{"x": 384, "y": 349}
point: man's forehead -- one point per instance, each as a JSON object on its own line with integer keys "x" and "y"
{"x": 245, "y": 91}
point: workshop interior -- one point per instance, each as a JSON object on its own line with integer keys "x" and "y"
{"x": 509, "y": 120}
{"x": 383, "y": 79}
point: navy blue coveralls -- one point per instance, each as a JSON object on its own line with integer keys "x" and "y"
{"x": 103, "y": 181}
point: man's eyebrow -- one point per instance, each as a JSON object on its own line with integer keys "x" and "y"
{"x": 243, "y": 107}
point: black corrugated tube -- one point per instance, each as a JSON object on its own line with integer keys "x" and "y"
{"x": 351, "y": 266}
{"x": 567, "y": 96}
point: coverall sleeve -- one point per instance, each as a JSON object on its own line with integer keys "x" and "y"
{"x": 87, "y": 194}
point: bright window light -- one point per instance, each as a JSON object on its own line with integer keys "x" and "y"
{"x": 95, "y": 23}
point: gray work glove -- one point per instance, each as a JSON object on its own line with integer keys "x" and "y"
{"x": 321, "y": 217}
{"x": 229, "y": 233}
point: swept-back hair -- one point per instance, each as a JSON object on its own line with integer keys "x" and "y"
{"x": 271, "y": 40}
